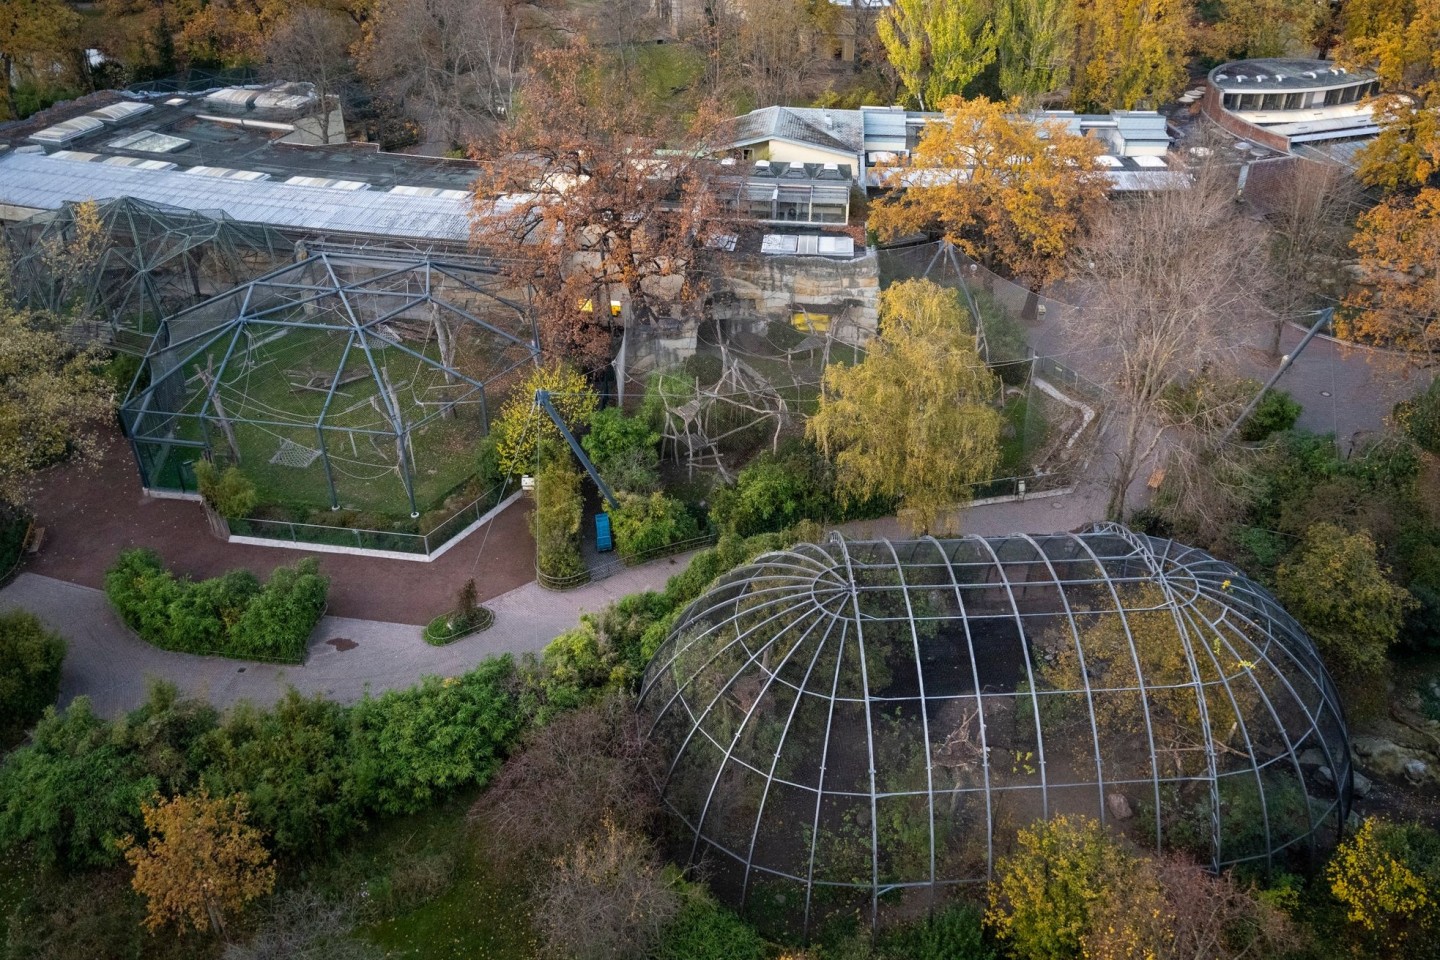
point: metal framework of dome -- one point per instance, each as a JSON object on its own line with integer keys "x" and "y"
{"x": 355, "y": 381}
{"x": 154, "y": 260}
{"x": 860, "y": 725}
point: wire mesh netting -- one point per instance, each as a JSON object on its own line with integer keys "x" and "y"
{"x": 861, "y": 725}
{"x": 150, "y": 261}
{"x": 361, "y": 382}
{"x": 747, "y": 375}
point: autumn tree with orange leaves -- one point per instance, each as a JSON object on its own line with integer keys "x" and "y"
{"x": 203, "y": 860}
{"x": 591, "y": 199}
{"x": 1400, "y": 40}
{"x": 1398, "y": 302}
{"x": 1008, "y": 191}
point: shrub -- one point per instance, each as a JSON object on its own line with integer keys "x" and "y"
{"x": 1276, "y": 413}
{"x": 952, "y": 933}
{"x": 1337, "y": 589}
{"x": 704, "y": 930}
{"x": 295, "y": 763}
{"x": 231, "y": 615}
{"x": 415, "y": 745}
{"x": 521, "y": 426}
{"x": 1420, "y": 418}
{"x": 1385, "y": 876}
{"x": 558, "y": 512}
{"x": 229, "y": 492}
{"x": 1045, "y": 892}
{"x": 277, "y": 622}
{"x": 607, "y": 898}
{"x": 73, "y": 792}
{"x": 776, "y": 491}
{"x": 623, "y": 449}
{"x": 30, "y": 659}
{"x": 643, "y": 525}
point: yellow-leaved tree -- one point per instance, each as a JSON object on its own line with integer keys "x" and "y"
{"x": 1398, "y": 302}
{"x": 914, "y": 420}
{"x": 522, "y": 424}
{"x": 938, "y": 46}
{"x": 1006, "y": 190}
{"x": 202, "y": 860}
{"x": 1400, "y": 40}
{"x": 1131, "y": 53}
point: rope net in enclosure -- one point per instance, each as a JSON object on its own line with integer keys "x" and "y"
{"x": 745, "y": 377}
{"x": 359, "y": 381}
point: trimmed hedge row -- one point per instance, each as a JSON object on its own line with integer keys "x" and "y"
{"x": 231, "y": 615}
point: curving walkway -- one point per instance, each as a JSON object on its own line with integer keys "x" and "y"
{"x": 347, "y": 657}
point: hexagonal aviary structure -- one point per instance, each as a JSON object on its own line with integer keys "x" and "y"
{"x": 864, "y": 725}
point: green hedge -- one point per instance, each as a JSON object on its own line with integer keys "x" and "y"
{"x": 30, "y": 660}
{"x": 232, "y": 615}
{"x": 643, "y": 525}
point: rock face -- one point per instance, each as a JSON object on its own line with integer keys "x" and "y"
{"x": 1385, "y": 758}
{"x": 845, "y": 292}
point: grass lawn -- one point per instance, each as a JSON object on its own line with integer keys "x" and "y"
{"x": 431, "y": 890}
{"x": 263, "y": 396}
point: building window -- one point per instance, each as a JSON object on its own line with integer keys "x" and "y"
{"x": 1332, "y": 97}
{"x": 1232, "y": 101}
{"x": 1273, "y": 101}
{"x": 1294, "y": 101}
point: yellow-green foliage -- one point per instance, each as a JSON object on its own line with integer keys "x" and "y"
{"x": 1343, "y": 596}
{"x": 914, "y": 420}
{"x": 1044, "y": 893}
{"x": 558, "y": 512}
{"x": 521, "y": 424}
{"x": 1384, "y": 876}
{"x": 1169, "y": 709}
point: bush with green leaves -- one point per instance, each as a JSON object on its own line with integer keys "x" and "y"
{"x": 413, "y": 746}
{"x": 1276, "y": 412}
{"x": 704, "y": 930}
{"x": 644, "y": 525}
{"x": 1420, "y": 418}
{"x": 953, "y": 932}
{"x": 777, "y": 490}
{"x": 558, "y": 513}
{"x": 294, "y": 762}
{"x": 624, "y": 450}
{"x": 229, "y": 492}
{"x": 232, "y": 615}
{"x": 30, "y": 660}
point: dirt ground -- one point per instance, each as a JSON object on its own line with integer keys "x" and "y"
{"x": 91, "y": 515}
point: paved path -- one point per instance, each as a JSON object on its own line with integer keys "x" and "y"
{"x": 347, "y": 657}
{"x": 110, "y": 665}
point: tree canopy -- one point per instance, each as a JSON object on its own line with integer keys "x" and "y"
{"x": 202, "y": 860}
{"x": 938, "y": 47}
{"x": 914, "y": 420}
{"x": 1398, "y": 302}
{"x": 592, "y": 199}
{"x": 1008, "y": 191}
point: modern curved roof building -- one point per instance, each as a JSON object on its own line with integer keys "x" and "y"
{"x": 1283, "y": 102}
{"x": 861, "y": 724}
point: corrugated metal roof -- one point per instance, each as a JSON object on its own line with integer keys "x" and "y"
{"x": 31, "y": 180}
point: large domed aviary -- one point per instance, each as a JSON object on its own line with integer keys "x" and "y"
{"x": 864, "y": 725}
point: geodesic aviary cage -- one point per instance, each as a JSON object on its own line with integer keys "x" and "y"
{"x": 357, "y": 381}
{"x": 153, "y": 261}
{"x": 860, "y": 726}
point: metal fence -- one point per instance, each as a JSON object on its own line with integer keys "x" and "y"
{"x": 392, "y": 541}
{"x": 612, "y": 566}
